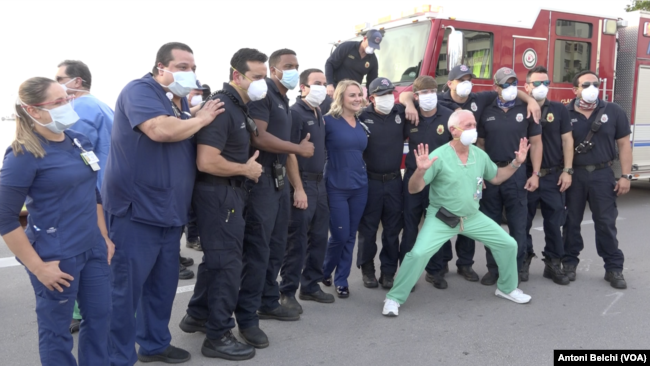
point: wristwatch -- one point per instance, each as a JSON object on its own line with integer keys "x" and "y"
{"x": 537, "y": 174}
{"x": 627, "y": 176}
{"x": 568, "y": 171}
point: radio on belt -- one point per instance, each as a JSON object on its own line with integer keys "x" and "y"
{"x": 278, "y": 175}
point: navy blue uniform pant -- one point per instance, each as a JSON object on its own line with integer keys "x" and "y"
{"x": 192, "y": 228}
{"x": 145, "y": 278}
{"x": 267, "y": 217}
{"x": 91, "y": 289}
{"x": 346, "y": 208}
{"x": 551, "y": 200}
{"x": 385, "y": 204}
{"x": 597, "y": 188}
{"x": 307, "y": 242}
{"x": 220, "y": 218}
{"x": 511, "y": 195}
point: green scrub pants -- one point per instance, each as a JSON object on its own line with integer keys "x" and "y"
{"x": 76, "y": 314}
{"x": 435, "y": 233}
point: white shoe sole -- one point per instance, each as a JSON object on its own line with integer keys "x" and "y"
{"x": 390, "y": 314}
{"x": 503, "y": 295}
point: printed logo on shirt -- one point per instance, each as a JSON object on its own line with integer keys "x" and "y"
{"x": 474, "y": 107}
{"x": 491, "y": 118}
{"x": 414, "y": 130}
{"x": 310, "y": 123}
{"x": 367, "y": 64}
{"x": 369, "y": 121}
{"x": 351, "y": 56}
{"x": 573, "y": 120}
{"x": 550, "y": 117}
{"x": 440, "y": 130}
{"x": 398, "y": 120}
{"x": 280, "y": 106}
{"x": 604, "y": 118}
{"x": 520, "y": 117}
{"x": 243, "y": 125}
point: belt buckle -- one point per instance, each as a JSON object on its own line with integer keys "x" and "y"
{"x": 543, "y": 172}
{"x": 590, "y": 168}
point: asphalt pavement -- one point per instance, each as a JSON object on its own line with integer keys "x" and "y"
{"x": 464, "y": 324}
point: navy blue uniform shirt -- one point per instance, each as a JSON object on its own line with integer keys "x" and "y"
{"x": 346, "y": 63}
{"x": 554, "y": 124}
{"x": 475, "y": 103}
{"x": 615, "y": 125}
{"x": 274, "y": 110}
{"x": 61, "y": 199}
{"x": 386, "y": 142}
{"x": 431, "y": 130}
{"x": 503, "y": 130}
{"x": 155, "y": 179}
{"x": 309, "y": 121}
{"x": 345, "y": 144}
{"x": 228, "y": 131}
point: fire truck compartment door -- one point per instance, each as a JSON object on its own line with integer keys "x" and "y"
{"x": 641, "y": 127}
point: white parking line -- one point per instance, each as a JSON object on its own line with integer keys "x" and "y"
{"x": 8, "y": 262}
{"x": 182, "y": 289}
{"x": 585, "y": 222}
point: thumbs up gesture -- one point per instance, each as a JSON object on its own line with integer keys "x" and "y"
{"x": 253, "y": 168}
{"x": 306, "y": 148}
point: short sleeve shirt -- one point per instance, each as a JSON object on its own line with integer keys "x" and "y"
{"x": 431, "y": 130}
{"x": 309, "y": 121}
{"x": 386, "y": 141}
{"x": 345, "y": 144}
{"x": 554, "y": 124}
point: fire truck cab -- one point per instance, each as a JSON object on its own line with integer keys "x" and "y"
{"x": 424, "y": 41}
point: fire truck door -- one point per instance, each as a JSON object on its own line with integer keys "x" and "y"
{"x": 528, "y": 52}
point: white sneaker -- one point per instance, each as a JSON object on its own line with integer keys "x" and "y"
{"x": 390, "y": 308}
{"x": 516, "y": 295}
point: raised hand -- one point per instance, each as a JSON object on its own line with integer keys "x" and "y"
{"x": 422, "y": 157}
{"x": 523, "y": 151}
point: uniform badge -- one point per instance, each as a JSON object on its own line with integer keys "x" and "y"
{"x": 367, "y": 64}
{"x": 351, "y": 56}
{"x": 604, "y": 118}
{"x": 520, "y": 117}
{"x": 310, "y": 123}
{"x": 440, "y": 130}
{"x": 474, "y": 107}
{"x": 414, "y": 130}
{"x": 550, "y": 117}
{"x": 463, "y": 68}
{"x": 397, "y": 119}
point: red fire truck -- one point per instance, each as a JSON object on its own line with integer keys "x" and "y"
{"x": 424, "y": 41}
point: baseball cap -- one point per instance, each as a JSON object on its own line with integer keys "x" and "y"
{"x": 381, "y": 86}
{"x": 459, "y": 71}
{"x": 374, "y": 38}
{"x": 503, "y": 74}
{"x": 199, "y": 86}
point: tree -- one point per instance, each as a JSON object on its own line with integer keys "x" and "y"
{"x": 638, "y": 5}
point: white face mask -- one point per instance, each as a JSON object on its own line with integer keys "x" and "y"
{"x": 184, "y": 82}
{"x": 428, "y": 101}
{"x": 316, "y": 95}
{"x": 468, "y": 137}
{"x": 65, "y": 87}
{"x": 384, "y": 103}
{"x": 509, "y": 94}
{"x": 590, "y": 94}
{"x": 257, "y": 90}
{"x": 369, "y": 50}
{"x": 540, "y": 92}
{"x": 464, "y": 89}
{"x": 63, "y": 117}
{"x": 196, "y": 100}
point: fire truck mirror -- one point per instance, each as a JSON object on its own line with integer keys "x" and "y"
{"x": 455, "y": 52}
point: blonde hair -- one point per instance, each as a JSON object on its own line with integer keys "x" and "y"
{"x": 32, "y": 91}
{"x": 336, "y": 110}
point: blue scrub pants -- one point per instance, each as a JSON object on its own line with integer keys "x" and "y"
{"x": 91, "y": 288}
{"x": 145, "y": 277}
{"x": 511, "y": 195}
{"x": 346, "y": 208}
{"x": 220, "y": 218}
{"x": 551, "y": 200}
{"x": 385, "y": 204}
{"x": 307, "y": 243}
{"x": 267, "y": 218}
{"x": 597, "y": 188}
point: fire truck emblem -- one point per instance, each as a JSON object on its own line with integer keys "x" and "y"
{"x": 397, "y": 119}
{"x": 604, "y": 118}
{"x": 440, "y": 130}
{"x": 507, "y": 71}
{"x": 367, "y": 64}
{"x": 463, "y": 68}
{"x": 550, "y": 117}
{"x": 474, "y": 107}
{"x": 520, "y": 117}
{"x": 529, "y": 58}
{"x": 377, "y": 39}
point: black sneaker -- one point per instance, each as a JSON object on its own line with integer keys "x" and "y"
{"x": 387, "y": 280}
{"x": 255, "y": 337}
{"x": 318, "y": 296}
{"x": 438, "y": 280}
{"x": 468, "y": 273}
{"x": 343, "y": 292}
{"x": 185, "y": 261}
{"x": 228, "y": 347}
{"x": 280, "y": 313}
{"x": 184, "y": 273}
{"x": 74, "y": 326}
{"x": 616, "y": 279}
{"x": 327, "y": 281}
{"x": 489, "y": 279}
{"x": 194, "y": 244}
{"x": 368, "y": 275}
{"x": 290, "y": 302}
{"x": 570, "y": 271}
{"x": 553, "y": 270}
{"x": 191, "y": 325}
{"x": 170, "y": 355}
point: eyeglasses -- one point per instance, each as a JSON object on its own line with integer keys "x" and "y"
{"x": 427, "y": 91}
{"x": 538, "y": 83}
{"x": 587, "y": 84}
{"x": 59, "y": 101}
{"x": 61, "y": 78}
{"x": 507, "y": 85}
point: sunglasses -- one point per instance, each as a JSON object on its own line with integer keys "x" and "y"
{"x": 507, "y": 85}
{"x": 538, "y": 83}
{"x": 587, "y": 84}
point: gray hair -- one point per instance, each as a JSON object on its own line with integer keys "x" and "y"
{"x": 455, "y": 117}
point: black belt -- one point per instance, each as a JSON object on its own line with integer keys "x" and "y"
{"x": 384, "y": 177}
{"x": 502, "y": 164}
{"x": 312, "y": 176}
{"x": 553, "y": 170}
{"x": 591, "y": 168}
{"x": 212, "y": 179}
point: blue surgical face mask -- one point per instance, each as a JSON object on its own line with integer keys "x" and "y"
{"x": 289, "y": 78}
{"x": 184, "y": 82}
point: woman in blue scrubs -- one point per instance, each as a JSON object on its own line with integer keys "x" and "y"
{"x": 346, "y": 181}
{"x": 65, "y": 247}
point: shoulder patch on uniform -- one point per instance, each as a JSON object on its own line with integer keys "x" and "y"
{"x": 440, "y": 130}
{"x": 520, "y": 117}
{"x": 398, "y": 120}
{"x": 473, "y": 107}
{"x": 604, "y": 118}
{"x": 550, "y": 117}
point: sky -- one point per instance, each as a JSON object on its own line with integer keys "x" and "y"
{"x": 118, "y": 39}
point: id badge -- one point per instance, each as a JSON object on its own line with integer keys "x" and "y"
{"x": 479, "y": 189}
{"x": 91, "y": 159}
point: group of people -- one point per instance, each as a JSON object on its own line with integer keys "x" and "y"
{"x": 266, "y": 182}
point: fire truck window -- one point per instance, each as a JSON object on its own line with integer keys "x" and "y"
{"x": 571, "y": 57}
{"x": 478, "y": 48}
{"x": 402, "y": 51}
{"x": 569, "y": 28}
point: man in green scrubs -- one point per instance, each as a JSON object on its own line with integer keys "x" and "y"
{"x": 455, "y": 173}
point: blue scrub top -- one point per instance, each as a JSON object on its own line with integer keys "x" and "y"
{"x": 61, "y": 199}
{"x": 96, "y": 122}
{"x": 345, "y": 168}
{"x": 155, "y": 179}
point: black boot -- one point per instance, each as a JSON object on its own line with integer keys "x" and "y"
{"x": 489, "y": 279}
{"x": 437, "y": 280}
{"x": 228, "y": 347}
{"x": 616, "y": 279}
{"x": 387, "y": 280}
{"x": 170, "y": 355}
{"x": 553, "y": 270}
{"x": 191, "y": 325}
{"x": 525, "y": 267}
{"x": 290, "y": 302}
{"x": 184, "y": 273}
{"x": 368, "y": 274}
{"x": 318, "y": 296}
{"x": 569, "y": 271}
{"x": 186, "y": 261}
{"x": 282, "y": 312}
{"x": 255, "y": 337}
{"x": 468, "y": 273}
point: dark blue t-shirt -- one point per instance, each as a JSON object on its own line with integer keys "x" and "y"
{"x": 345, "y": 168}
{"x": 554, "y": 124}
{"x": 155, "y": 179}
{"x": 309, "y": 121}
{"x": 431, "y": 130}
{"x": 61, "y": 198}
{"x": 386, "y": 142}
{"x": 475, "y": 103}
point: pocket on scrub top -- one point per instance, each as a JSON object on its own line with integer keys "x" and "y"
{"x": 152, "y": 204}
